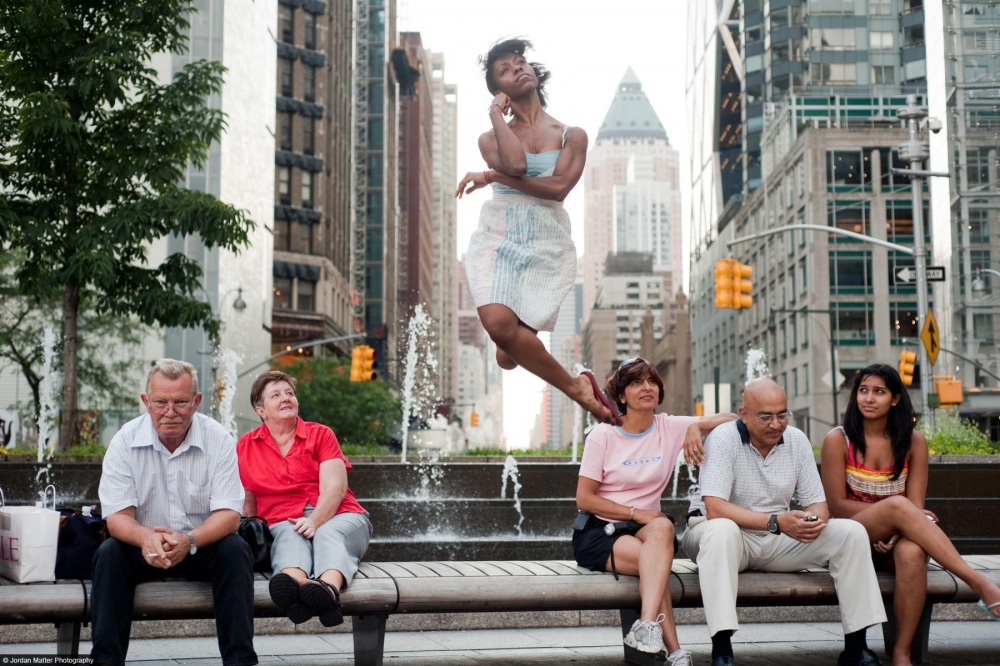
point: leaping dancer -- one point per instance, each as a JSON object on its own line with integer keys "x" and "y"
{"x": 521, "y": 261}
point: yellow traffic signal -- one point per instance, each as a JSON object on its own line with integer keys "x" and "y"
{"x": 724, "y": 283}
{"x": 742, "y": 286}
{"x": 907, "y": 364}
{"x": 474, "y": 419}
{"x": 367, "y": 363}
{"x": 356, "y": 361}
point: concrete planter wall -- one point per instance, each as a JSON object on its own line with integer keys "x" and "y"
{"x": 455, "y": 510}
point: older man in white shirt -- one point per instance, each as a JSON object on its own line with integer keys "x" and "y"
{"x": 740, "y": 519}
{"x": 171, "y": 492}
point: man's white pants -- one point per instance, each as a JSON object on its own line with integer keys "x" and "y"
{"x": 721, "y": 549}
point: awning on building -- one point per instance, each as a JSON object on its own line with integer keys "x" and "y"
{"x": 288, "y": 269}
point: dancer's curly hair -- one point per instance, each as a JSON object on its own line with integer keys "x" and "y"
{"x": 516, "y": 46}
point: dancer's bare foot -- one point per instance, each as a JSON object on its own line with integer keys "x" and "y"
{"x": 504, "y": 360}
{"x": 584, "y": 395}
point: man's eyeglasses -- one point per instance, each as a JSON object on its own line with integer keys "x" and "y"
{"x": 629, "y": 361}
{"x": 766, "y": 417}
{"x": 164, "y": 406}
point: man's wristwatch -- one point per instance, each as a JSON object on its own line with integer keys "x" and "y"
{"x": 194, "y": 547}
{"x": 772, "y": 524}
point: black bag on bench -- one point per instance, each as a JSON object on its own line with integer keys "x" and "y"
{"x": 256, "y": 533}
{"x": 79, "y": 538}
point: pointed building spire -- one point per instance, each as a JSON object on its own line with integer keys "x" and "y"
{"x": 631, "y": 116}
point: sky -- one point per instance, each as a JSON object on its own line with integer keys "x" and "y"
{"x": 587, "y": 45}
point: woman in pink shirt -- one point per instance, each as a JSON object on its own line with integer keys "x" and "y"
{"x": 624, "y": 471}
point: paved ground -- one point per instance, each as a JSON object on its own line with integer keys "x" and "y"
{"x": 779, "y": 644}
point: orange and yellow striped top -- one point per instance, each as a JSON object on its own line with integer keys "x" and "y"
{"x": 865, "y": 484}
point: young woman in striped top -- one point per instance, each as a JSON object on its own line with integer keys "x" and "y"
{"x": 875, "y": 471}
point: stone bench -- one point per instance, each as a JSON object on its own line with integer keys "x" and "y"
{"x": 381, "y": 589}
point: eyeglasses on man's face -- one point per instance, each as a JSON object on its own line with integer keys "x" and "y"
{"x": 767, "y": 417}
{"x": 164, "y": 406}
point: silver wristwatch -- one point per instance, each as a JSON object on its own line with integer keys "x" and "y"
{"x": 194, "y": 547}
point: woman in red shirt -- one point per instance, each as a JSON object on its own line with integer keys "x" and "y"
{"x": 295, "y": 476}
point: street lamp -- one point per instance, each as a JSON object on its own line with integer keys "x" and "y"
{"x": 978, "y": 283}
{"x": 835, "y": 385}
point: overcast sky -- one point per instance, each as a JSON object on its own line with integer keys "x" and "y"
{"x": 587, "y": 45}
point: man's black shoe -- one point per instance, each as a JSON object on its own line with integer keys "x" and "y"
{"x": 866, "y": 658}
{"x": 723, "y": 661}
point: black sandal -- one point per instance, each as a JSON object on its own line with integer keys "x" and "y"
{"x": 323, "y": 600}
{"x": 285, "y": 594}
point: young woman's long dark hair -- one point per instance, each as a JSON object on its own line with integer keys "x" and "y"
{"x": 899, "y": 422}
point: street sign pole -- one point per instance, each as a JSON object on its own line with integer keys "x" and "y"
{"x": 913, "y": 150}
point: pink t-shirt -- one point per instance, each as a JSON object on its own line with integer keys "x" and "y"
{"x": 633, "y": 470}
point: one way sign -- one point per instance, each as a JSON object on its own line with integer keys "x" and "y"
{"x": 908, "y": 274}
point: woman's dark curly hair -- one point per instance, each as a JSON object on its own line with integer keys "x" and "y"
{"x": 634, "y": 369}
{"x": 516, "y": 46}
{"x": 899, "y": 423}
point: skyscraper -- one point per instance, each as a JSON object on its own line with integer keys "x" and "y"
{"x": 632, "y": 200}
{"x": 802, "y": 96}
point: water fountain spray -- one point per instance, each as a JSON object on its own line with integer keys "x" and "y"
{"x": 47, "y": 391}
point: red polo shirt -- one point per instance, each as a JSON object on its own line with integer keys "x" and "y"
{"x": 283, "y": 485}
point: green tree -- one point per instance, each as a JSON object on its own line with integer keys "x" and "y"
{"x": 23, "y": 320}
{"x": 359, "y": 412}
{"x": 93, "y": 151}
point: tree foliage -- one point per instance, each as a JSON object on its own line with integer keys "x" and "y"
{"x": 359, "y": 412}
{"x": 93, "y": 152}
{"x": 23, "y": 319}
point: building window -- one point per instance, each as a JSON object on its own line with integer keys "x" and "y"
{"x": 883, "y": 74}
{"x": 913, "y": 35}
{"x": 302, "y": 242}
{"x": 310, "y": 29}
{"x": 832, "y": 39}
{"x": 854, "y": 324}
{"x": 850, "y": 272}
{"x": 850, "y": 216}
{"x": 307, "y": 189}
{"x": 847, "y": 170}
{"x": 285, "y": 130}
{"x": 880, "y": 41}
{"x": 282, "y": 238}
{"x": 285, "y": 185}
{"x": 285, "y": 67}
{"x": 903, "y": 322}
{"x": 309, "y": 83}
{"x": 308, "y": 135}
{"x": 282, "y": 293}
{"x": 286, "y": 23}
{"x": 306, "y": 296}
{"x": 834, "y": 73}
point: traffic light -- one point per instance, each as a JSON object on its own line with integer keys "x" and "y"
{"x": 356, "y": 362}
{"x": 742, "y": 286}
{"x": 907, "y": 364}
{"x": 474, "y": 419}
{"x": 724, "y": 283}
{"x": 367, "y": 363}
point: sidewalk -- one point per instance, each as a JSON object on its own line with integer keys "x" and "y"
{"x": 780, "y": 644}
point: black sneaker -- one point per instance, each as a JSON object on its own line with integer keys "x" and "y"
{"x": 323, "y": 600}
{"x": 285, "y": 594}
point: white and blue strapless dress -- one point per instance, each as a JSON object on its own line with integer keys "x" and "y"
{"x": 522, "y": 254}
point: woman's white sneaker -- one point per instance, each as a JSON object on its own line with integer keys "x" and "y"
{"x": 679, "y": 658}
{"x": 645, "y": 636}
